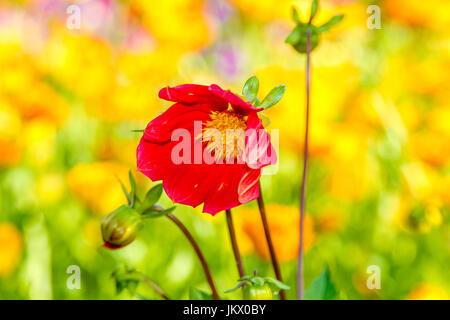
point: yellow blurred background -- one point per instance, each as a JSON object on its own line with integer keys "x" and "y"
{"x": 379, "y": 180}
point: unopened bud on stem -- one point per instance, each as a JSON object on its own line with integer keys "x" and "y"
{"x": 121, "y": 227}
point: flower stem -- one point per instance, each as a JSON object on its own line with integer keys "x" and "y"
{"x": 305, "y": 166}
{"x": 198, "y": 252}
{"x": 273, "y": 257}
{"x": 237, "y": 255}
{"x": 156, "y": 287}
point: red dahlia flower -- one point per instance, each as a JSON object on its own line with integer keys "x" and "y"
{"x": 209, "y": 147}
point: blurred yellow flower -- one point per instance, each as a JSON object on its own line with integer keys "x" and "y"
{"x": 83, "y": 64}
{"x": 13, "y": 154}
{"x": 96, "y": 184}
{"x": 270, "y": 10}
{"x": 328, "y": 100}
{"x": 92, "y": 232}
{"x": 442, "y": 189}
{"x": 428, "y": 292}
{"x": 178, "y": 24}
{"x": 23, "y": 85}
{"x": 438, "y": 120}
{"x": 401, "y": 72}
{"x": 419, "y": 216}
{"x": 119, "y": 149}
{"x": 284, "y": 228}
{"x": 10, "y": 127}
{"x": 431, "y": 147}
{"x": 39, "y": 138}
{"x": 349, "y": 165}
{"x": 431, "y": 13}
{"x": 134, "y": 91}
{"x": 420, "y": 180}
{"x": 329, "y": 220}
{"x": 50, "y": 188}
{"x": 265, "y": 9}
{"x": 10, "y": 248}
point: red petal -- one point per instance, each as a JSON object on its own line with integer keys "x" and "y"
{"x": 239, "y": 105}
{"x": 191, "y": 94}
{"x": 259, "y": 152}
{"x": 178, "y": 116}
{"x": 224, "y": 195}
{"x": 153, "y": 159}
{"x": 189, "y": 184}
{"x": 248, "y": 189}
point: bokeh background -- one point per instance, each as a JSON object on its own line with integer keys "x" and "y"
{"x": 379, "y": 179}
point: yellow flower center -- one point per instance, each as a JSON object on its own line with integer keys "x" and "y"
{"x": 225, "y": 133}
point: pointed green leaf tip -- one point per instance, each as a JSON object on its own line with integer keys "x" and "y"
{"x": 133, "y": 189}
{"x": 237, "y": 287}
{"x": 278, "y": 284}
{"x": 152, "y": 197}
{"x": 331, "y": 23}
{"x": 294, "y": 36}
{"x": 250, "y": 89}
{"x": 314, "y": 9}
{"x": 273, "y": 97}
{"x": 322, "y": 288}
{"x": 124, "y": 189}
{"x": 295, "y": 15}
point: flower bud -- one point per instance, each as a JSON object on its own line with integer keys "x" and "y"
{"x": 298, "y": 37}
{"x": 258, "y": 292}
{"x": 259, "y": 288}
{"x": 120, "y": 227}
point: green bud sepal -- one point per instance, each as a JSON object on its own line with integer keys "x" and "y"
{"x": 298, "y": 36}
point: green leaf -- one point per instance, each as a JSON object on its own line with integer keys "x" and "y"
{"x": 152, "y": 196}
{"x": 237, "y": 287}
{"x": 322, "y": 288}
{"x": 295, "y": 15}
{"x": 196, "y": 294}
{"x": 250, "y": 89}
{"x": 257, "y": 281}
{"x": 126, "y": 278}
{"x": 124, "y": 189}
{"x": 276, "y": 283}
{"x": 273, "y": 97}
{"x": 155, "y": 213}
{"x": 295, "y": 35}
{"x": 245, "y": 278}
{"x": 332, "y": 22}
{"x": 314, "y": 9}
{"x": 133, "y": 189}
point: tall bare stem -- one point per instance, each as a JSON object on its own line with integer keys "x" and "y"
{"x": 198, "y": 252}
{"x": 234, "y": 245}
{"x": 155, "y": 287}
{"x": 305, "y": 166}
{"x": 273, "y": 256}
